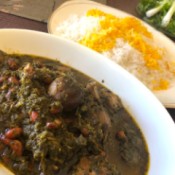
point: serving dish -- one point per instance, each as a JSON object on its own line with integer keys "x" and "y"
{"x": 151, "y": 116}
{"x": 167, "y": 97}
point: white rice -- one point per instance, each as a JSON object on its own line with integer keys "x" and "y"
{"x": 75, "y": 28}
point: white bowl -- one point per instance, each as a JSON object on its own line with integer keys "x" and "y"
{"x": 151, "y": 116}
{"x": 79, "y": 7}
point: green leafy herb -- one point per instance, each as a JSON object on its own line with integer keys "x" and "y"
{"x": 159, "y": 13}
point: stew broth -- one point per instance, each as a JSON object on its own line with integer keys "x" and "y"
{"x": 55, "y": 120}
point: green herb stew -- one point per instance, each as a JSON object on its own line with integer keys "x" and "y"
{"x": 55, "y": 120}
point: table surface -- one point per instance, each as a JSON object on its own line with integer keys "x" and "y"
{"x": 12, "y": 21}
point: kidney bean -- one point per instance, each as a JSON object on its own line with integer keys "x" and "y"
{"x": 12, "y": 63}
{"x": 13, "y": 80}
{"x": 17, "y": 147}
{"x": 53, "y": 125}
{"x": 13, "y": 133}
{"x": 121, "y": 135}
{"x": 85, "y": 132}
{"x": 33, "y": 116}
{"x": 5, "y": 140}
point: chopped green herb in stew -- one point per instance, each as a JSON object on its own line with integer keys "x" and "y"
{"x": 55, "y": 120}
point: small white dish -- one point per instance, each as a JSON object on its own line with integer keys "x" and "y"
{"x": 79, "y": 7}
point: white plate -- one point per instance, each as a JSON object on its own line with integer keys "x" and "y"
{"x": 152, "y": 118}
{"x": 167, "y": 97}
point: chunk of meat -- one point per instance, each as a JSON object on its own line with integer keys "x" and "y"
{"x": 104, "y": 96}
{"x": 102, "y": 114}
{"x": 104, "y": 117}
{"x": 95, "y": 165}
{"x": 68, "y": 91}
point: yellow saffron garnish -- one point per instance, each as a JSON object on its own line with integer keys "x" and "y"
{"x": 163, "y": 84}
{"x": 128, "y": 28}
